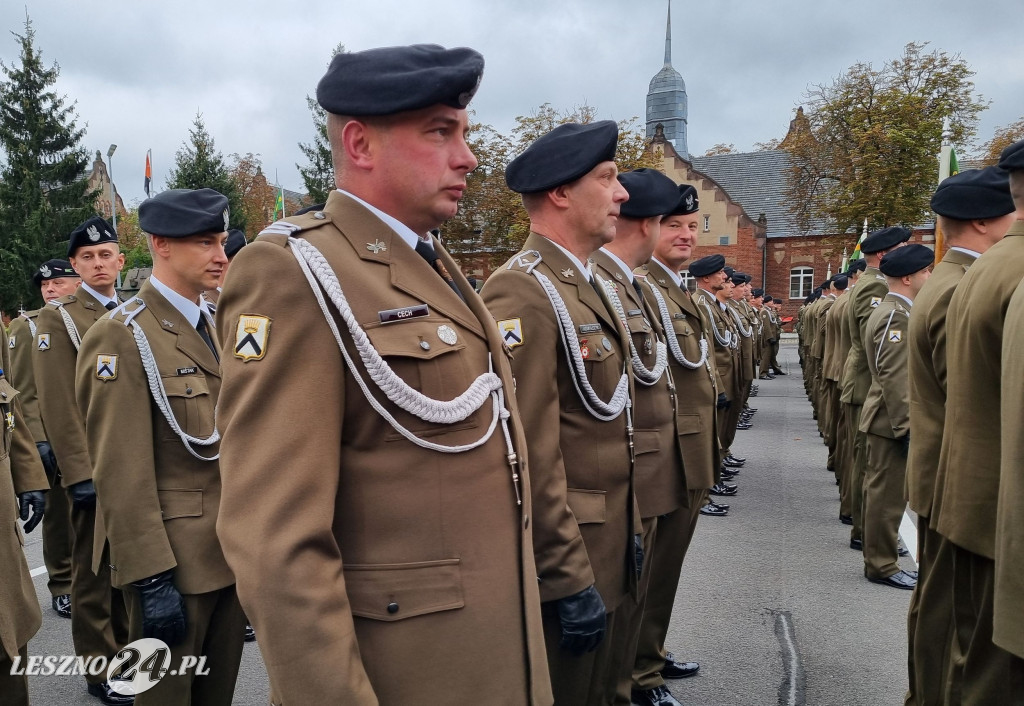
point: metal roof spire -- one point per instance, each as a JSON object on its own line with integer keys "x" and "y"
{"x": 668, "y": 36}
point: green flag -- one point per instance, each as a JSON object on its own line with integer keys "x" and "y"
{"x": 279, "y": 205}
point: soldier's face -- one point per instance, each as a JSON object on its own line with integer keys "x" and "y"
{"x": 678, "y": 236}
{"x": 57, "y": 287}
{"x": 98, "y": 264}
{"x": 420, "y": 165}
{"x": 196, "y": 263}
{"x": 593, "y": 203}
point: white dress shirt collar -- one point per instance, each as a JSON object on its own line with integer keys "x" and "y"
{"x": 674, "y": 275}
{"x": 189, "y": 309}
{"x": 622, "y": 265}
{"x": 404, "y": 232}
{"x": 101, "y": 298}
{"x": 585, "y": 269}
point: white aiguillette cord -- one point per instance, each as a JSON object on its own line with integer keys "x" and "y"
{"x": 673, "y": 342}
{"x": 727, "y": 340}
{"x": 641, "y": 373}
{"x": 322, "y": 279}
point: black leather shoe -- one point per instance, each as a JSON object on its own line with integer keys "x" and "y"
{"x": 902, "y": 550}
{"x": 743, "y": 426}
{"x": 714, "y": 510}
{"x": 678, "y": 670}
{"x": 62, "y": 605}
{"x": 721, "y": 506}
{"x": 250, "y": 634}
{"x": 733, "y": 462}
{"x": 901, "y": 579}
{"x": 778, "y": 372}
{"x": 736, "y": 458}
{"x": 766, "y": 377}
{"x": 857, "y": 544}
{"x": 658, "y": 696}
{"x": 105, "y": 694}
{"x": 846, "y": 519}
{"x": 727, "y": 474}
{"x": 719, "y": 489}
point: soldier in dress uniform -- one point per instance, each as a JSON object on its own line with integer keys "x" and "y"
{"x": 23, "y": 486}
{"x": 871, "y": 288}
{"x": 99, "y": 621}
{"x": 746, "y": 324}
{"x": 776, "y": 307}
{"x": 964, "y": 509}
{"x": 714, "y": 288}
{"x": 572, "y": 362}
{"x": 817, "y": 353}
{"x": 691, "y": 363}
{"x": 660, "y": 482}
{"x": 55, "y": 278}
{"x": 150, "y": 373}
{"x": 388, "y": 558}
{"x": 844, "y": 435}
{"x": 885, "y": 416}
{"x": 829, "y": 332}
{"x": 974, "y": 210}
{"x": 1008, "y": 599}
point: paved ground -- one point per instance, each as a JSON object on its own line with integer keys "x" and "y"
{"x": 773, "y": 603}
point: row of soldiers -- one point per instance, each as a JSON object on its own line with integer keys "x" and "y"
{"x": 418, "y": 493}
{"x": 914, "y": 375}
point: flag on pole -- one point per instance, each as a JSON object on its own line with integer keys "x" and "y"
{"x": 948, "y": 166}
{"x": 856, "y": 251}
{"x": 846, "y": 262}
{"x": 149, "y": 171}
{"x": 279, "y": 205}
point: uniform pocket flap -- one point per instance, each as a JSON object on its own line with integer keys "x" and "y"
{"x": 645, "y": 442}
{"x": 688, "y": 424}
{"x": 180, "y": 503}
{"x": 7, "y": 392}
{"x": 416, "y": 338}
{"x": 637, "y": 324}
{"x": 186, "y": 386}
{"x": 682, "y": 327}
{"x": 392, "y": 592}
{"x": 587, "y": 505}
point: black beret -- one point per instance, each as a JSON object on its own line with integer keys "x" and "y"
{"x": 651, "y": 193}
{"x": 974, "y": 194}
{"x": 707, "y": 265}
{"x": 94, "y": 231}
{"x": 235, "y": 242}
{"x": 824, "y": 285}
{"x": 841, "y": 281}
{"x": 53, "y": 269}
{"x": 688, "y": 201}
{"x": 1012, "y": 158}
{"x": 179, "y": 213}
{"x": 768, "y": 298}
{"x": 755, "y": 293}
{"x": 884, "y": 239}
{"x": 562, "y": 156}
{"x": 390, "y": 80}
{"x": 740, "y": 277}
{"x": 858, "y": 265}
{"x": 906, "y": 260}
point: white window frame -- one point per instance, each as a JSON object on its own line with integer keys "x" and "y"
{"x": 707, "y": 224}
{"x": 803, "y": 277}
{"x": 687, "y": 281}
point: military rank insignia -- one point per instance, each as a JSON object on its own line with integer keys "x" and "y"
{"x": 9, "y": 418}
{"x": 106, "y": 367}
{"x": 875, "y": 301}
{"x": 251, "y": 336}
{"x": 511, "y": 331}
{"x": 895, "y": 335}
{"x": 43, "y": 341}
{"x": 10, "y": 343}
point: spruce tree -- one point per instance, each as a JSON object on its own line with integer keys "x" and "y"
{"x": 199, "y": 165}
{"x": 43, "y": 189}
{"x": 318, "y": 174}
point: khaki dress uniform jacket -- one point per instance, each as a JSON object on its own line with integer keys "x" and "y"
{"x": 20, "y": 342}
{"x": 727, "y": 364}
{"x": 967, "y": 487}
{"x": 158, "y": 501}
{"x": 354, "y": 549}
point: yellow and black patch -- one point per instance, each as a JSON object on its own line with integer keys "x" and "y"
{"x": 251, "y": 337}
{"x": 106, "y": 367}
{"x": 511, "y": 332}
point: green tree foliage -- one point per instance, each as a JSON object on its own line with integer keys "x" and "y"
{"x": 43, "y": 189}
{"x": 492, "y": 223}
{"x": 1003, "y": 138}
{"x": 871, "y": 151}
{"x": 198, "y": 164}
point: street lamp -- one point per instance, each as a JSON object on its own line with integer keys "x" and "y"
{"x": 113, "y": 197}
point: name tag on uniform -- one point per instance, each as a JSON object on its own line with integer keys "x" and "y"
{"x": 590, "y": 328}
{"x": 187, "y": 371}
{"x": 390, "y": 316}
{"x": 633, "y": 312}
{"x": 677, "y": 315}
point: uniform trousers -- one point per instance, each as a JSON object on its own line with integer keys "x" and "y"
{"x": 775, "y": 358}
{"x": 57, "y": 539}
{"x": 675, "y": 531}
{"x": 930, "y": 619}
{"x": 858, "y": 459}
{"x": 885, "y": 476}
{"x": 981, "y": 673}
{"x": 764, "y": 363}
{"x": 13, "y": 687}
{"x": 832, "y": 412}
{"x": 99, "y": 619}
{"x": 214, "y": 627}
{"x": 843, "y": 457}
{"x": 629, "y": 614}
{"x": 581, "y": 680}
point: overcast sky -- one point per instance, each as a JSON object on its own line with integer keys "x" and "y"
{"x": 140, "y": 71}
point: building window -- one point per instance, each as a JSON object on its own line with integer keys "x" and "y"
{"x": 723, "y": 240}
{"x": 688, "y": 282}
{"x": 707, "y": 223}
{"x": 801, "y": 282}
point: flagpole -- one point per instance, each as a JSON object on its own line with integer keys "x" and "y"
{"x": 945, "y": 152}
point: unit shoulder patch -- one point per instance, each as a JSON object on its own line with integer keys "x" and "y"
{"x": 106, "y": 367}
{"x": 43, "y": 341}
{"x": 10, "y": 343}
{"x": 875, "y": 301}
{"x": 895, "y": 335}
{"x": 511, "y": 332}
{"x": 251, "y": 336}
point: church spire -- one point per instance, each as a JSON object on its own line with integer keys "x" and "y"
{"x": 668, "y": 36}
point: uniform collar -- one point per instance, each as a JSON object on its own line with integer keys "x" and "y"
{"x": 187, "y": 308}
{"x": 404, "y": 232}
{"x": 621, "y": 265}
{"x": 674, "y": 275}
{"x": 900, "y": 296}
{"x": 583, "y": 268}
{"x": 965, "y": 251}
{"x": 101, "y": 298}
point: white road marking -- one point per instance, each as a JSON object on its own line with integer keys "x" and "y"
{"x": 38, "y": 571}
{"x": 908, "y": 531}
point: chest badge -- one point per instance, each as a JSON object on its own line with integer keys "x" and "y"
{"x": 251, "y": 336}
{"x": 106, "y": 367}
{"x": 511, "y": 331}
{"x": 447, "y": 334}
{"x": 584, "y": 349}
{"x": 43, "y": 341}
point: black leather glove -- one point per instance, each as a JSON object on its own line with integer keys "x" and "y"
{"x": 163, "y": 609}
{"x": 34, "y": 500}
{"x": 583, "y": 619}
{"x": 905, "y": 440}
{"x": 723, "y": 401}
{"x": 49, "y": 460}
{"x": 638, "y": 549}
{"x": 83, "y": 495}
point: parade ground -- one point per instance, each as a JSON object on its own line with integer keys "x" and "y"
{"x": 772, "y": 603}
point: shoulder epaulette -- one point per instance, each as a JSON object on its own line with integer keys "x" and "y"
{"x": 128, "y": 310}
{"x": 295, "y": 224}
{"x": 524, "y": 261}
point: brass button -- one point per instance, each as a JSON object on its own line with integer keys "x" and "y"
{"x": 392, "y": 607}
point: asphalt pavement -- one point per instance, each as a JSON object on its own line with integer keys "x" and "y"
{"x": 772, "y": 602}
